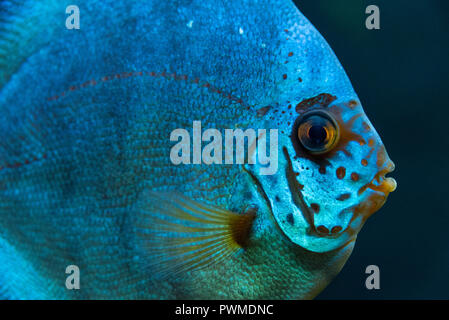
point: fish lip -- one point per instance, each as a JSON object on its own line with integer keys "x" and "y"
{"x": 374, "y": 194}
{"x": 380, "y": 183}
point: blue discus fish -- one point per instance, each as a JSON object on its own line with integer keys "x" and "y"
{"x": 86, "y": 178}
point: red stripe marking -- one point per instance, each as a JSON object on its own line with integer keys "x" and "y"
{"x": 163, "y": 74}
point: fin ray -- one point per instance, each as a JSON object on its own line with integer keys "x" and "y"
{"x": 182, "y": 235}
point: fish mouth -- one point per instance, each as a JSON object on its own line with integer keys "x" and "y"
{"x": 375, "y": 193}
{"x": 381, "y": 183}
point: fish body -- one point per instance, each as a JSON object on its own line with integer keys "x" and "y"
{"x": 86, "y": 177}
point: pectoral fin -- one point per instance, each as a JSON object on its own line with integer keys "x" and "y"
{"x": 181, "y": 235}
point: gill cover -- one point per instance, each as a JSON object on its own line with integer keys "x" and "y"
{"x": 295, "y": 217}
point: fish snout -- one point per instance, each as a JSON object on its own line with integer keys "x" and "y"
{"x": 386, "y": 184}
{"x": 380, "y": 182}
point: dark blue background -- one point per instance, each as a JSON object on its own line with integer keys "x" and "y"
{"x": 401, "y": 74}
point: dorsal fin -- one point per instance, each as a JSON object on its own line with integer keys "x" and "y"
{"x": 180, "y": 234}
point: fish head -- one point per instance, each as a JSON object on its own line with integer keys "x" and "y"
{"x": 332, "y": 164}
{"x": 331, "y": 172}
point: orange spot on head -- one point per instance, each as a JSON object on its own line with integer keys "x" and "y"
{"x": 284, "y": 76}
{"x": 352, "y": 104}
{"x": 366, "y": 126}
{"x": 290, "y": 54}
{"x": 323, "y": 100}
{"x": 341, "y": 172}
{"x": 336, "y": 229}
{"x": 344, "y": 197}
{"x": 315, "y": 207}
{"x": 371, "y": 142}
{"x": 322, "y": 229}
{"x": 355, "y": 176}
{"x": 364, "y": 162}
{"x": 381, "y": 157}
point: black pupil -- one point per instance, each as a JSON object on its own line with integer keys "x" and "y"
{"x": 317, "y": 134}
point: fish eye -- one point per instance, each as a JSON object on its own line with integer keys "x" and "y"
{"x": 318, "y": 132}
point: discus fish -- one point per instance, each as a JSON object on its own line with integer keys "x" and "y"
{"x": 86, "y": 177}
